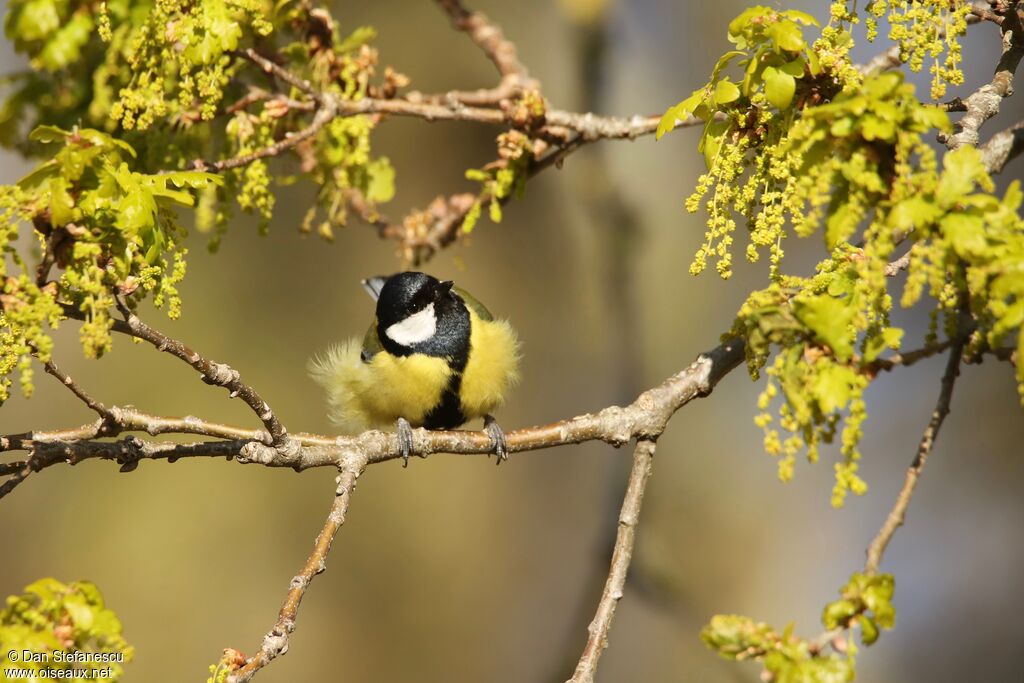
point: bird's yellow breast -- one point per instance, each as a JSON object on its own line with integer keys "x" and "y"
{"x": 375, "y": 394}
{"x": 492, "y": 367}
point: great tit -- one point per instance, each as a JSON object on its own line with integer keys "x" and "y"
{"x": 434, "y": 357}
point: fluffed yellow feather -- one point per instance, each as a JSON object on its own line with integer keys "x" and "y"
{"x": 492, "y": 368}
{"x": 375, "y": 394}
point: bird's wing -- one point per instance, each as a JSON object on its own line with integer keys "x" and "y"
{"x": 472, "y": 303}
{"x": 373, "y": 285}
{"x": 371, "y": 344}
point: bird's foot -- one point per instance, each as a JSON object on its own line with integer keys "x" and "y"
{"x": 499, "y": 445}
{"x": 404, "y": 432}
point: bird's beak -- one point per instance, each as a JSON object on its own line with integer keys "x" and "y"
{"x": 444, "y": 287}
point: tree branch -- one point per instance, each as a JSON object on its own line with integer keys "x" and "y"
{"x": 899, "y": 511}
{"x": 214, "y": 373}
{"x": 490, "y": 39}
{"x": 275, "y": 643}
{"x": 321, "y": 118}
{"x": 279, "y": 72}
{"x": 894, "y": 520}
{"x": 65, "y": 379}
{"x": 643, "y": 458}
{"x": 984, "y": 103}
{"x": 1003, "y": 147}
{"x": 645, "y": 418}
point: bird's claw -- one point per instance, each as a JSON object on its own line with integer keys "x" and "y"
{"x": 499, "y": 445}
{"x": 404, "y": 432}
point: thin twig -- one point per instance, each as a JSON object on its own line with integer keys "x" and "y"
{"x": 899, "y": 511}
{"x": 897, "y": 514}
{"x": 279, "y": 72}
{"x": 643, "y": 458}
{"x": 322, "y": 117}
{"x": 489, "y": 38}
{"x": 275, "y": 643}
{"x": 908, "y": 358}
{"x": 218, "y": 374}
{"x": 75, "y": 388}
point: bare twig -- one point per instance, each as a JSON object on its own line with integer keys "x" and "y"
{"x": 277, "y": 71}
{"x": 218, "y": 374}
{"x": 982, "y": 11}
{"x": 629, "y": 515}
{"x": 492, "y": 41}
{"x": 908, "y": 358}
{"x": 899, "y": 511}
{"x": 65, "y": 379}
{"x": 322, "y": 117}
{"x": 275, "y": 643}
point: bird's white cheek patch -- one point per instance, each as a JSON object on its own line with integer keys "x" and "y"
{"x": 417, "y": 328}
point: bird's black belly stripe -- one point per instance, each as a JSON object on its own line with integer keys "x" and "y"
{"x": 448, "y": 413}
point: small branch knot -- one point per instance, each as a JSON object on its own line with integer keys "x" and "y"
{"x": 222, "y": 375}
{"x": 256, "y": 452}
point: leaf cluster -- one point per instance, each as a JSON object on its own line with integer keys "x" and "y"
{"x": 866, "y": 601}
{"x": 108, "y": 231}
{"x": 800, "y": 143}
{"x": 51, "y": 616}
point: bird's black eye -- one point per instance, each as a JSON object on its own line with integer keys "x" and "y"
{"x": 419, "y": 301}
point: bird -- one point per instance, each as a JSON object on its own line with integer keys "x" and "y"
{"x": 433, "y": 357}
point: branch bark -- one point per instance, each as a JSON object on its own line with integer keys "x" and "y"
{"x": 1003, "y": 147}
{"x": 898, "y": 514}
{"x": 984, "y": 103}
{"x": 645, "y": 418}
{"x": 622, "y": 555}
{"x": 275, "y": 643}
{"x": 490, "y": 39}
{"x": 218, "y": 374}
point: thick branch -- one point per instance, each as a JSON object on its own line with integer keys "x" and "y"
{"x": 645, "y": 418}
{"x": 643, "y": 458}
{"x": 1003, "y": 147}
{"x": 984, "y": 103}
{"x": 275, "y": 643}
{"x": 884, "y": 61}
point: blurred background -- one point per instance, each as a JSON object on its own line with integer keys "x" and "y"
{"x": 454, "y": 570}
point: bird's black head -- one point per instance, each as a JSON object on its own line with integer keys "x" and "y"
{"x": 417, "y": 313}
